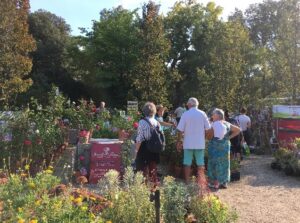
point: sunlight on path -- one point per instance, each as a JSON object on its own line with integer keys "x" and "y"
{"x": 264, "y": 195}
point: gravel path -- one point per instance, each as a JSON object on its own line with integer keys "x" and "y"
{"x": 263, "y": 195}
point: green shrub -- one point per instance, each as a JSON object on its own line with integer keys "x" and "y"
{"x": 34, "y": 200}
{"x": 211, "y": 209}
{"x": 173, "y": 201}
{"x": 131, "y": 200}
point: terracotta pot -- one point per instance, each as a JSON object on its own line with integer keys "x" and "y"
{"x": 84, "y": 136}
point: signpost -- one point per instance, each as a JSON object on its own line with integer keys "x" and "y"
{"x": 132, "y": 106}
{"x": 105, "y": 155}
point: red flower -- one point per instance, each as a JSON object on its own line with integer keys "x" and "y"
{"x": 135, "y": 125}
{"x": 39, "y": 141}
{"x": 81, "y": 158}
{"x": 27, "y": 142}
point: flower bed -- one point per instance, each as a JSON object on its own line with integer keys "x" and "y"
{"x": 44, "y": 199}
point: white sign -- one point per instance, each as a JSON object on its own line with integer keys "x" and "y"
{"x": 132, "y": 106}
{"x": 286, "y": 111}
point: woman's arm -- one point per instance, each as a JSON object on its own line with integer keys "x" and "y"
{"x": 166, "y": 124}
{"x": 235, "y": 130}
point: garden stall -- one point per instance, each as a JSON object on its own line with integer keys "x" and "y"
{"x": 286, "y": 121}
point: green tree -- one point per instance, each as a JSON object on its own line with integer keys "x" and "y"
{"x": 109, "y": 53}
{"x": 51, "y": 59}
{"x": 179, "y": 25}
{"x": 274, "y": 28}
{"x": 149, "y": 76}
{"x": 15, "y": 46}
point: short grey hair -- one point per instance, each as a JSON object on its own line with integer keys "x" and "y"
{"x": 193, "y": 102}
{"x": 220, "y": 113}
{"x": 149, "y": 109}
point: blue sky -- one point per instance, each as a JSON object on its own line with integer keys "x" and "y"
{"x": 80, "y": 13}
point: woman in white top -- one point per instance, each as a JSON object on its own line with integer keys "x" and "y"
{"x": 219, "y": 150}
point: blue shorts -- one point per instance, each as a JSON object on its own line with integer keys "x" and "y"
{"x": 188, "y": 155}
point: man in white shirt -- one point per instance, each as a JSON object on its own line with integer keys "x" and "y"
{"x": 193, "y": 124}
{"x": 245, "y": 125}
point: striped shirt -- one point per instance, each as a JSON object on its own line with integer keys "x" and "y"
{"x": 143, "y": 132}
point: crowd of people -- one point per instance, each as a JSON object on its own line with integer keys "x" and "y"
{"x": 221, "y": 135}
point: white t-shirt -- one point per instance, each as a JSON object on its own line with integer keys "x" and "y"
{"x": 220, "y": 129}
{"x": 179, "y": 112}
{"x": 243, "y": 121}
{"x": 193, "y": 124}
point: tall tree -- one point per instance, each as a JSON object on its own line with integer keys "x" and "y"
{"x": 287, "y": 47}
{"x": 50, "y": 60}
{"x": 109, "y": 53}
{"x": 15, "y": 45}
{"x": 149, "y": 77}
{"x": 274, "y": 28}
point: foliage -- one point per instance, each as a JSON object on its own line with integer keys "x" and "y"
{"x": 288, "y": 159}
{"x": 51, "y": 58}
{"x": 211, "y": 209}
{"x": 35, "y": 135}
{"x": 149, "y": 79}
{"x": 125, "y": 122}
{"x": 234, "y": 165}
{"x": 43, "y": 199}
{"x": 273, "y": 29}
{"x": 131, "y": 202}
{"x": 15, "y": 45}
{"x": 105, "y": 58}
{"x": 174, "y": 201}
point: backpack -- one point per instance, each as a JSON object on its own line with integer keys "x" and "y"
{"x": 156, "y": 143}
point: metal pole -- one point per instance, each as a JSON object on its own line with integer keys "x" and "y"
{"x": 156, "y": 198}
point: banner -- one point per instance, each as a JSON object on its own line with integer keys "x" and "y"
{"x": 286, "y": 111}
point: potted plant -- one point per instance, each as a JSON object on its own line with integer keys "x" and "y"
{"x": 124, "y": 123}
{"x": 235, "y": 170}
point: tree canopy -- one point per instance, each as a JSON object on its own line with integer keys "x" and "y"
{"x": 127, "y": 55}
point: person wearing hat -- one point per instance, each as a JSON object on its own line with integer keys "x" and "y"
{"x": 193, "y": 125}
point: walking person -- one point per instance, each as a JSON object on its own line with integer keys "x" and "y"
{"x": 192, "y": 125}
{"x": 147, "y": 161}
{"x": 218, "y": 169}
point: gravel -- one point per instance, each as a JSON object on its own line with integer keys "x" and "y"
{"x": 263, "y": 195}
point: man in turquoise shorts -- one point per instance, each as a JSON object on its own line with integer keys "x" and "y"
{"x": 192, "y": 125}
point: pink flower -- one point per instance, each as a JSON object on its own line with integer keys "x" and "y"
{"x": 81, "y": 158}
{"x": 129, "y": 119}
{"x": 83, "y": 133}
{"x": 98, "y": 127}
{"x": 135, "y": 125}
{"x": 27, "y": 142}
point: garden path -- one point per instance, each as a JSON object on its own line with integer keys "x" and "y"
{"x": 263, "y": 195}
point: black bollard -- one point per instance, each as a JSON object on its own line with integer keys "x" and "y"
{"x": 156, "y": 198}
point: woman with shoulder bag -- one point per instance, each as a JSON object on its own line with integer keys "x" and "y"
{"x": 146, "y": 161}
